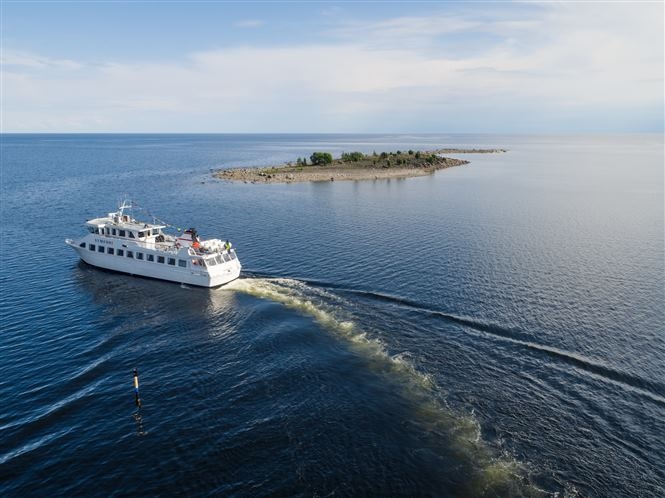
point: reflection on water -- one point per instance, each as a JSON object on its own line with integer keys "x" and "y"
{"x": 123, "y": 294}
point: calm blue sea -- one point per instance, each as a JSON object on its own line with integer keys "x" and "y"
{"x": 495, "y": 329}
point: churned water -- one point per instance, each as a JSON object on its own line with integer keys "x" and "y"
{"x": 495, "y": 329}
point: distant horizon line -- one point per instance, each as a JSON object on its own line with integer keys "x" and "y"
{"x": 328, "y": 133}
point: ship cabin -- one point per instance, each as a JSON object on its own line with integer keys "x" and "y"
{"x": 126, "y": 227}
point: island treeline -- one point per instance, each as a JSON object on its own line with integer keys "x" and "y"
{"x": 383, "y": 160}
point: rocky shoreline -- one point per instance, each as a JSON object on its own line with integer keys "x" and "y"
{"x": 468, "y": 151}
{"x": 362, "y": 167}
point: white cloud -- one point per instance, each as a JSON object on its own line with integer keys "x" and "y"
{"x": 573, "y": 60}
{"x": 398, "y": 30}
{"x": 33, "y": 61}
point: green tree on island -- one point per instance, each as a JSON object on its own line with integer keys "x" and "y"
{"x": 319, "y": 158}
{"x": 352, "y": 157}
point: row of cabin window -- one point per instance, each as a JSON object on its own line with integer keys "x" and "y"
{"x": 122, "y": 233}
{"x": 139, "y": 255}
{"x": 218, "y": 259}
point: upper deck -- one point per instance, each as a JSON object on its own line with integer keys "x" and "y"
{"x": 122, "y": 225}
{"x": 122, "y": 221}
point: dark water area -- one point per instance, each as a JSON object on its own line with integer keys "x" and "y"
{"x": 495, "y": 329}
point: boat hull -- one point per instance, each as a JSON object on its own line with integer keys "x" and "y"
{"x": 218, "y": 276}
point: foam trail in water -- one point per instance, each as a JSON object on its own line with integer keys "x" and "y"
{"x": 316, "y": 303}
{"x": 461, "y": 432}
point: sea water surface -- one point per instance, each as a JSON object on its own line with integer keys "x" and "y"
{"x": 494, "y": 329}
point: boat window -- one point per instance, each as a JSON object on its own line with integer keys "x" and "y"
{"x": 139, "y": 255}
{"x": 120, "y": 252}
{"x": 91, "y": 247}
{"x": 91, "y": 229}
{"x": 160, "y": 259}
{"x": 121, "y": 233}
{"x": 233, "y": 255}
{"x": 131, "y": 235}
{"x": 219, "y": 259}
{"x": 113, "y": 231}
{"x": 172, "y": 261}
{"x": 155, "y": 231}
{"x": 100, "y": 248}
{"x": 151, "y": 257}
{"x": 141, "y": 235}
{"x": 110, "y": 250}
{"x": 82, "y": 244}
{"x": 211, "y": 261}
{"x": 182, "y": 262}
{"x": 130, "y": 254}
{"x": 226, "y": 257}
{"x": 107, "y": 231}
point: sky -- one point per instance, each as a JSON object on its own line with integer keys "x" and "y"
{"x": 331, "y": 67}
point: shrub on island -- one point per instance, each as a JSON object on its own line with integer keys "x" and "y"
{"x": 352, "y": 157}
{"x": 319, "y": 158}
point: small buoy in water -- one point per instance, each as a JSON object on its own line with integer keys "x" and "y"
{"x": 137, "y": 401}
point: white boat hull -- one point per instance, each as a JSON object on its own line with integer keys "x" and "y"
{"x": 214, "y": 276}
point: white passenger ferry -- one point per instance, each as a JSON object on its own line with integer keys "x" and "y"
{"x": 119, "y": 242}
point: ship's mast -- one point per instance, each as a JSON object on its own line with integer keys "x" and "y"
{"x": 124, "y": 205}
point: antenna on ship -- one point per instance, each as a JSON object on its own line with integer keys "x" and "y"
{"x": 126, "y": 203}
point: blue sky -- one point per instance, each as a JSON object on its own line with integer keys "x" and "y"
{"x": 494, "y": 67}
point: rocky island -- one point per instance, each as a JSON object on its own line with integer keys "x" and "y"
{"x": 321, "y": 166}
